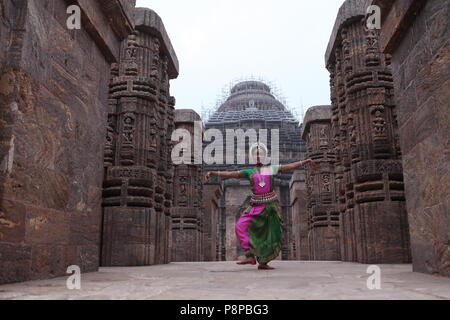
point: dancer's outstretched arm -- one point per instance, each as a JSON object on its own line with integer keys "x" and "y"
{"x": 295, "y": 165}
{"x": 223, "y": 174}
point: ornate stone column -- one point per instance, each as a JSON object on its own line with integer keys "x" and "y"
{"x": 369, "y": 178}
{"x": 323, "y": 222}
{"x": 187, "y": 214}
{"x": 137, "y": 195}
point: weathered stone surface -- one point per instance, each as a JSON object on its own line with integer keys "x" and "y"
{"x": 323, "y": 216}
{"x": 212, "y": 195}
{"x": 187, "y": 213}
{"x": 12, "y": 221}
{"x": 15, "y": 262}
{"x": 53, "y": 98}
{"x": 138, "y": 185}
{"x": 149, "y": 22}
{"x": 348, "y": 12}
{"x": 368, "y": 174}
{"x": 416, "y": 34}
{"x": 313, "y": 115}
{"x": 299, "y": 214}
{"x": 292, "y": 280}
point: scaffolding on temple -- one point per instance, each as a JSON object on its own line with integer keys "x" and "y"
{"x": 226, "y": 91}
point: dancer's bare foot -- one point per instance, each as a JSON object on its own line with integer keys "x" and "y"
{"x": 247, "y": 261}
{"x": 265, "y": 267}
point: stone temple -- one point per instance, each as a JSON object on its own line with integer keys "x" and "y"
{"x": 86, "y": 123}
{"x": 251, "y": 105}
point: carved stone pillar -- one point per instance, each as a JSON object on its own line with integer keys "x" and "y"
{"x": 137, "y": 191}
{"x": 187, "y": 214}
{"x": 369, "y": 178}
{"x": 323, "y": 221}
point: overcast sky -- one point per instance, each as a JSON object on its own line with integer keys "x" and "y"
{"x": 219, "y": 41}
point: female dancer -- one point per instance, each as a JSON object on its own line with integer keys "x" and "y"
{"x": 259, "y": 228}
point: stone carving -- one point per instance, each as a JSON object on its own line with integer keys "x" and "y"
{"x": 351, "y": 128}
{"x": 154, "y": 73}
{"x": 379, "y": 123}
{"x": 138, "y": 186}
{"x": 323, "y": 137}
{"x": 110, "y": 142}
{"x": 323, "y": 216}
{"x": 372, "y": 57}
{"x": 187, "y": 216}
{"x": 369, "y": 189}
{"x": 326, "y": 183}
{"x": 129, "y": 61}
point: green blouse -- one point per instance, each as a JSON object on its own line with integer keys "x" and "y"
{"x": 249, "y": 173}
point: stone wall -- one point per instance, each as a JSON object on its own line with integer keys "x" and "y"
{"x": 187, "y": 213}
{"x": 138, "y": 182}
{"x": 299, "y": 214}
{"x": 416, "y": 34}
{"x": 368, "y": 170}
{"x": 323, "y": 216}
{"x": 236, "y": 199}
{"x": 212, "y": 193}
{"x": 53, "y": 103}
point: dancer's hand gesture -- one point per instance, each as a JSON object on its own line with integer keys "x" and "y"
{"x": 312, "y": 164}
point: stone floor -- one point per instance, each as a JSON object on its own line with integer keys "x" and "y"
{"x": 228, "y": 281}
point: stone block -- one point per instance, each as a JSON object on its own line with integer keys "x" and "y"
{"x": 46, "y": 227}
{"x": 15, "y": 262}
{"x": 12, "y": 221}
